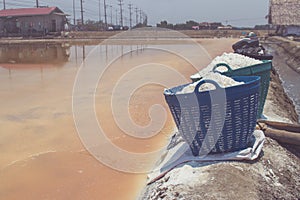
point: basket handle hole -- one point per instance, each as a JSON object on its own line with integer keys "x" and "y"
{"x": 207, "y": 85}
{"x": 222, "y": 67}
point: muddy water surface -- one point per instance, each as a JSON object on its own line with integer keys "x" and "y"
{"x": 41, "y": 155}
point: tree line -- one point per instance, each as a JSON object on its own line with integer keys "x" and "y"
{"x": 189, "y": 25}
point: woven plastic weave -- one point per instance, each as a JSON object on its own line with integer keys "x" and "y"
{"x": 263, "y": 70}
{"x": 221, "y": 120}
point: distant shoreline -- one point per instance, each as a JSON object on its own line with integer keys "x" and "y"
{"x": 95, "y": 37}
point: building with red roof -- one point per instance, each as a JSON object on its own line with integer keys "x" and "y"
{"x": 32, "y": 21}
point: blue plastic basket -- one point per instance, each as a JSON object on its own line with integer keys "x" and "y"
{"x": 263, "y": 70}
{"x": 223, "y": 123}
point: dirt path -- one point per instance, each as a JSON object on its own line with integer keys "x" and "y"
{"x": 275, "y": 175}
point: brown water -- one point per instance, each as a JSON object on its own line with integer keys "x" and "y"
{"x": 41, "y": 155}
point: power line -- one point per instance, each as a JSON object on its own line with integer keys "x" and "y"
{"x": 91, "y": 9}
{"x": 6, "y": 4}
{"x": 87, "y": 10}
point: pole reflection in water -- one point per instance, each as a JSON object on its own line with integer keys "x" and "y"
{"x": 76, "y": 56}
{"x": 106, "y": 53}
{"x": 9, "y": 72}
{"x": 83, "y": 53}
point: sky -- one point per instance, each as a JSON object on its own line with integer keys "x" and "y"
{"x": 242, "y": 13}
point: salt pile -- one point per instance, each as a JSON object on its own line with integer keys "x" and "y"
{"x": 234, "y": 60}
{"x": 222, "y": 80}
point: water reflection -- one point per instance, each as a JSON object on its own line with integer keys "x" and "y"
{"x": 38, "y": 55}
{"x": 34, "y": 53}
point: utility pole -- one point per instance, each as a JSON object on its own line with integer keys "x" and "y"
{"x": 121, "y": 12}
{"x": 4, "y": 7}
{"x": 37, "y": 3}
{"x": 99, "y": 10}
{"x": 141, "y": 16}
{"x": 136, "y": 16}
{"x": 126, "y": 21}
{"x": 130, "y": 15}
{"x": 105, "y": 14}
{"x": 81, "y": 6}
{"x": 111, "y": 15}
{"x": 146, "y": 20}
{"x": 116, "y": 16}
{"x": 74, "y": 19}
